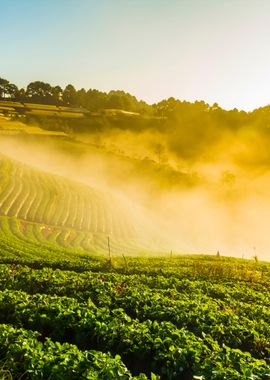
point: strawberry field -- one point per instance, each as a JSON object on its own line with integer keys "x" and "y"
{"x": 77, "y": 305}
{"x": 183, "y": 317}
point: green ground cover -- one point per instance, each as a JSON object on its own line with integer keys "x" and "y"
{"x": 180, "y": 317}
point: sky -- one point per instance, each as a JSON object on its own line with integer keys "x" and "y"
{"x": 211, "y": 50}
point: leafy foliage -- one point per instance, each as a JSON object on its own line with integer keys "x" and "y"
{"x": 176, "y": 323}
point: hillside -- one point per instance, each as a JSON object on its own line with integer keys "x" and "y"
{"x": 69, "y": 310}
{"x": 53, "y": 209}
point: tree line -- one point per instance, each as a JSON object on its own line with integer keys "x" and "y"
{"x": 184, "y": 120}
{"x": 92, "y": 99}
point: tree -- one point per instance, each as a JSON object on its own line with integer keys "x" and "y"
{"x": 70, "y": 95}
{"x": 3, "y": 87}
{"x": 12, "y": 91}
{"x": 166, "y": 107}
{"x": 115, "y": 101}
{"x": 81, "y": 97}
{"x": 95, "y": 100}
{"x": 123, "y": 100}
{"x": 39, "y": 91}
{"x": 21, "y": 95}
{"x": 57, "y": 94}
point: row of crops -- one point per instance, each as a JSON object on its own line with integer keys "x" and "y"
{"x": 52, "y": 209}
{"x": 69, "y": 314}
{"x": 173, "y": 323}
{"x": 32, "y": 195}
{"x": 20, "y": 240}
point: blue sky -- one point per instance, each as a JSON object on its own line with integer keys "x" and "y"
{"x": 212, "y": 50}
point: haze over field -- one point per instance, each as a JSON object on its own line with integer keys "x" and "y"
{"x": 198, "y": 174}
{"x": 214, "y": 200}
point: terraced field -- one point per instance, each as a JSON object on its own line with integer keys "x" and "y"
{"x": 53, "y": 210}
{"x": 11, "y": 108}
{"x": 67, "y": 312}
